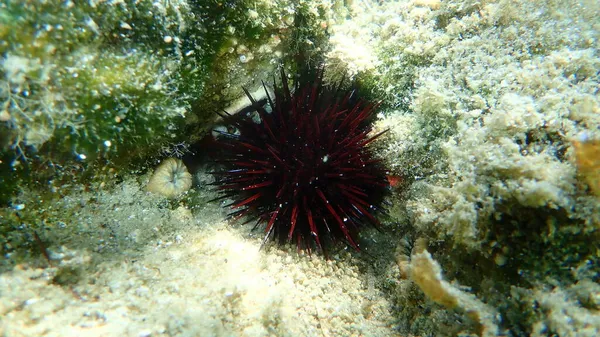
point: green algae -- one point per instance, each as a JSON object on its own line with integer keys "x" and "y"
{"x": 90, "y": 87}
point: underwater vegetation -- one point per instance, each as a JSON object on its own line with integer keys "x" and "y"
{"x": 299, "y": 162}
{"x": 81, "y": 85}
{"x": 87, "y": 89}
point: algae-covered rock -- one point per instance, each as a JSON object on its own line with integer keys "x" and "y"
{"x": 487, "y": 104}
{"x": 89, "y": 86}
{"x": 84, "y": 82}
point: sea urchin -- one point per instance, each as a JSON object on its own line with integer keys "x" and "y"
{"x": 300, "y": 163}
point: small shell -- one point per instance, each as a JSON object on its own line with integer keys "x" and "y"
{"x": 171, "y": 178}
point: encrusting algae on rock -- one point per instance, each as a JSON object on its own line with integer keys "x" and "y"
{"x": 487, "y": 99}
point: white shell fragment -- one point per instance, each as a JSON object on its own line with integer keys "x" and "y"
{"x": 170, "y": 179}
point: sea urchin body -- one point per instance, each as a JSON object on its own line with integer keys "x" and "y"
{"x": 301, "y": 164}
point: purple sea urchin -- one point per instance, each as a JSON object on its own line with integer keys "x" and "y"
{"x": 299, "y": 162}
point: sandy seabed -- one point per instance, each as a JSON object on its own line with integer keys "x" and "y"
{"x": 138, "y": 265}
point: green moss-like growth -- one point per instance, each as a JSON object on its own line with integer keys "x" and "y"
{"x": 251, "y": 38}
{"x": 84, "y": 82}
{"x": 89, "y": 86}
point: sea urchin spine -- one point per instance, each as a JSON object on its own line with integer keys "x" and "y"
{"x": 300, "y": 163}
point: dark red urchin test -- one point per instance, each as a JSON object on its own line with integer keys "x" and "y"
{"x": 300, "y": 163}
